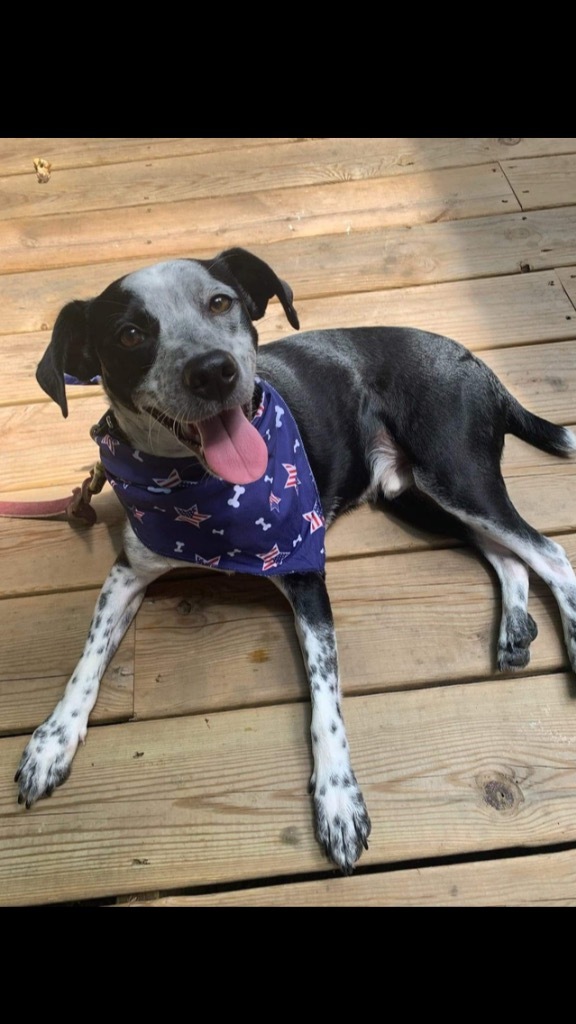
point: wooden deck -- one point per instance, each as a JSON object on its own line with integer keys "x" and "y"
{"x": 192, "y": 786}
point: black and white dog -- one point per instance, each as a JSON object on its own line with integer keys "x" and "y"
{"x": 380, "y": 412}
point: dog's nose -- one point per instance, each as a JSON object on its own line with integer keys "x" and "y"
{"x": 211, "y": 376}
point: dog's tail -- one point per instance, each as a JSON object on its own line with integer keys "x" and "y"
{"x": 537, "y": 431}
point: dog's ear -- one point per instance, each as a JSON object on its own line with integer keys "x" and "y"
{"x": 69, "y": 352}
{"x": 258, "y": 283}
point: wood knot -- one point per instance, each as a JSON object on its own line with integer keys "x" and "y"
{"x": 259, "y": 656}
{"x": 509, "y": 142}
{"x": 184, "y": 608}
{"x": 500, "y": 792}
{"x": 290, "y": 836}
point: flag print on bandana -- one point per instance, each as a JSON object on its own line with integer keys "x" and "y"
{"x": 292, "y": 472}
{"x": 273, "y": 558}
{"x": 191, "y": 515}
{"x": 110, "y": 443}
{"x": 203, "y": 520}
{"x": 274, "y": 503}
{"x": 315, "y": 518}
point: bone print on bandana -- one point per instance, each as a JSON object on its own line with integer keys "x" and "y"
{"x": 180, "y": 511}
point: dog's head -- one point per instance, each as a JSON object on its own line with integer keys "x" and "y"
{"x": 175, "y": 347}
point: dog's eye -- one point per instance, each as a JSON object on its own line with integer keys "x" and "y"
{"x": 220, "y": 303}
{"x": 130, "y": 337}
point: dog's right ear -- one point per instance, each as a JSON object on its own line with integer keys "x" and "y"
{"x": 69, "y": 351}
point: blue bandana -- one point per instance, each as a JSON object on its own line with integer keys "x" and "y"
{"x": 177, "y": 509}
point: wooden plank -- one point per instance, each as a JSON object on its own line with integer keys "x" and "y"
{"x": 226, "y": 172}
{"x": 220, "y": 167}
{"x": 482, "y": 313}
{"x": 83, "y": 237}
{"x": 67, "y": 451}
{"x": 363, "y": 261}
{"x": 40, "y": 556}
{"x": 542, "y": 376}
{"x": 42, "y": 640}
{"x": 568, "y": 278}
{"x": 540, "y": 880}
{"x": 17, "y": 155}
{"x": 544, "y": 181}
{"x": 542, "y": 487}
{"x": 402, "y": 621}
{"x": 485, "y": 313}
{"x": 426, "y": 253}
{"x": 213, "y": 799}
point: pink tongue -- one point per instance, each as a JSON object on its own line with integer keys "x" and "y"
{"x": 233, "y": 448}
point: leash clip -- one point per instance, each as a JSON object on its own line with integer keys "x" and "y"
{"x": 79, "y": 507}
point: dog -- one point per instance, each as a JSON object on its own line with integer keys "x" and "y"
{"x": 388, "y": 413}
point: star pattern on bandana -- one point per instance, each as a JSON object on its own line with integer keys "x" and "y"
{"x": 274, "y": 503}
{"x": 172, "y": 480}
{"x": 315, "y": 518}
{"x": 191, "y": 515}
{"x": 292, "y": 480}
{"x": 273, "y": 558}
{"x": 211, "y": 562}
{"x": 110, "y": 442}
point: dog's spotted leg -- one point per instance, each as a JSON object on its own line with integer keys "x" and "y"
{"x": 517, "y": 627}
{"x": 47, "y": 760}
{"x": 342, "y": 822}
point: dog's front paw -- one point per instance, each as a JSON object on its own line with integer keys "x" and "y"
{"x": 47, "y": 760}
{"x": 342, "y": 822}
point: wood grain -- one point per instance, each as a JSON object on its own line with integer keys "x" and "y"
{"x": 545, "y": 880}
{"x": 17, "y": 155}
{"x": 208, "y": 799}
{"x": 567, "y": 277}
{"x": 362, "y": 261}
{"x": 543, "y": 182}
{"x": 28, "y": 242}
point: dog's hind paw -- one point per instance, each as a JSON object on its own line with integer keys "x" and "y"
{"x": 514, "y": 646}
{"x": 46, "y": 761}
{"x": 342, "y": 822}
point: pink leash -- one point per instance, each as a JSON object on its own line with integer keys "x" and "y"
{"x": 75, "y": 508}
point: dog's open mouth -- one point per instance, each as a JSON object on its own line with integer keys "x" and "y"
{"x": 230, "y": 445}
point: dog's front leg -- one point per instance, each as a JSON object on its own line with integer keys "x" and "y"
{"x": 47, "y": 759}
{"x": 342, "y": 822}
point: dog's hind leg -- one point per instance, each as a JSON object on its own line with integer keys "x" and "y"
{"x": 47, "y": 759}
{"x": 517, "y": 627}
{"x": 486, "y": 508}
{"x": 342, "y": 822}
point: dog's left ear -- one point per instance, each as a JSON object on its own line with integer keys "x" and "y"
{"x": 69, "y": 351}
{"x": 258, "y": 283}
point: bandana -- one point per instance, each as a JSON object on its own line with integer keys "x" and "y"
{"x": 176, "y": 508}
